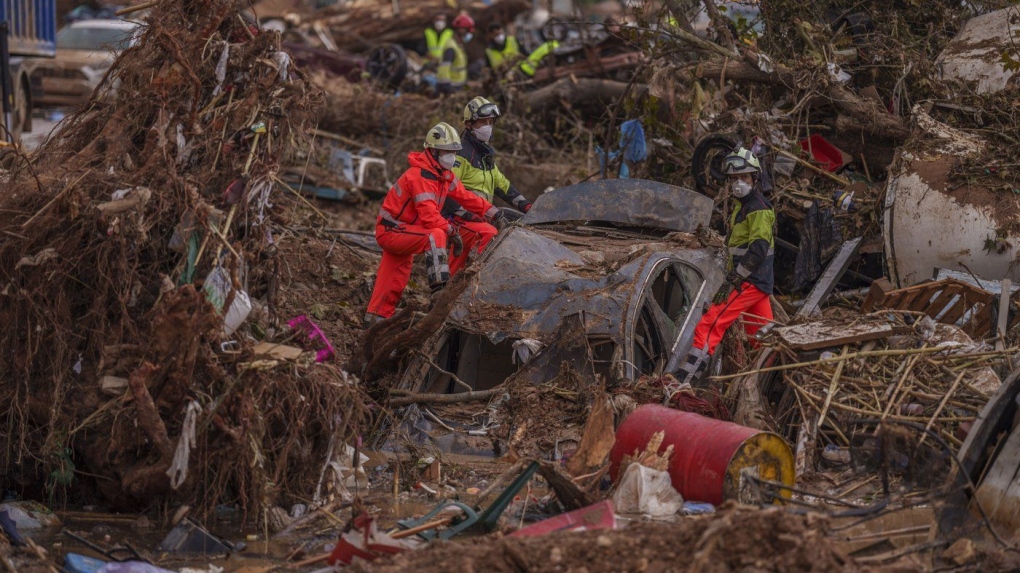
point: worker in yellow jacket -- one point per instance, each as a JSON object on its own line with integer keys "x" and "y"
{"x": 453, "y": 64}
{"x": 503, "y": 50}
{"x": 435, "y": 36}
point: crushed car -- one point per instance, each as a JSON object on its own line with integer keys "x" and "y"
{"x": 623, "y": 266}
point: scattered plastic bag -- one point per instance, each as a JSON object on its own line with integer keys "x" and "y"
{"x": 525, "y": 349}
{"x": 645, "y": 491}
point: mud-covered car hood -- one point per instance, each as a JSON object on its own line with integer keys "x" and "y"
{"x": 530, "y": 281}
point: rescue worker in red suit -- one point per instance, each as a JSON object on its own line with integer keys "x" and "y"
{"x": 748, "y": 285}
{"x": 410, "y": 222}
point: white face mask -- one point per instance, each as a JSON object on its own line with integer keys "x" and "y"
{"x": 468, "y": 36}
{"x": 440, "y": 25}
{"x": 483, "y": 133}
{"x": 740, "y": 188}
{"x": 501, "y": 38}
{"x": 447, "y": 160}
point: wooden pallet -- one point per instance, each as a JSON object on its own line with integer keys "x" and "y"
{"x": 947, "y": 301}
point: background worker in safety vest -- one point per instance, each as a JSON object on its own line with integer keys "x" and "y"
{"x": 531, "y": 63}
{"x": 453, "y": 64}
{"x": 503, "y": 50}
{"x": 476, "y": 168}
{"x": 749, "y": 281}
{"x": 435, "y": 37}
{"x": 410, "y": 222}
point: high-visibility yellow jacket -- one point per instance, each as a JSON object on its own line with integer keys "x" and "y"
{"x": 476, "y": 168}
{"x": 510, "y": 53}
{"x": 453, "y": 64}
{"x": 434, "y": 41}
{"x": 534, "y": 59}
{"x": 751, "y": 242}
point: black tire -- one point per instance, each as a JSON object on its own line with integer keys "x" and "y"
{"x": 387, "y": 64}
{"x": 706, "y": 163}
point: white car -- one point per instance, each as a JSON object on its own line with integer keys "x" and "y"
{"x": 85, "y": 51}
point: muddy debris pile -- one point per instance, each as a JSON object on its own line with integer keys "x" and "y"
{"x": 833, "y": 386}
{"x": 735, "y": 540}
{"x": 148, "y": 283}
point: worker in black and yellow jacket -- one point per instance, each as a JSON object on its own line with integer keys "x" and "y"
{"x": 748, "y": 285}
{"x": 476, "y": 167}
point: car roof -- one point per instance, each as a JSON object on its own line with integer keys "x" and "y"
{"x": 105, "y": 23}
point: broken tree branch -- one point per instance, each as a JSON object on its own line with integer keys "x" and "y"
{"x": 392, "y": 350}
{"x": 148, "y": 416}
{"x": 867, "y": 116}
{"x": 406, "y": 398}
{"x": 578, "y": 91}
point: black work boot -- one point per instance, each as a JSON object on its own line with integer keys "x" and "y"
{"x": 694, "y": 366}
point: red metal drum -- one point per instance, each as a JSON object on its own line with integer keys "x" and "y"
{"x": 709, "y": 456}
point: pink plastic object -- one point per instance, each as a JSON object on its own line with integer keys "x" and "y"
{"x": 598, "y": 516}
{"x": 827, "y": 155}
{"x": 314, "y": 334}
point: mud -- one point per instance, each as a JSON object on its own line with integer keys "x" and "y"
{"x": 738, "y": 539}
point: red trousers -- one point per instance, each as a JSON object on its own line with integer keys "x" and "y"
{"x": 476, "y": 237}
{"x": 749, "y": 301}
{"x": 401, "y": 244}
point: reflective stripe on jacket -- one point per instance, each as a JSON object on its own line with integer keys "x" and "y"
{"x": 751, "y": 240}
{"x": 434, "y": 41}
{"x": 534, "y": 59}
{"x": 453, "y": 67}
{"x": 510, "y": 53}
{"x": 418, "y": 196}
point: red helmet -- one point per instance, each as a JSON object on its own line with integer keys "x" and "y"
{"x": 463, "y": 21}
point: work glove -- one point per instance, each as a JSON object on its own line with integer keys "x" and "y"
{"x": 730, "y": 283}
{"x": 525, "y": 208}
{"x": 458, "y": 244}
{"x": 499, "y": 221}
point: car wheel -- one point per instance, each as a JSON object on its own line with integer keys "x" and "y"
{"x": 706, "y": 162}
{"x": 387, "y": 64}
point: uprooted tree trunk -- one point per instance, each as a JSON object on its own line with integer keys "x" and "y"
{"x": 860, "y": 114}
{"x": 581, "y": 91}
{"x": 400, "y": 337}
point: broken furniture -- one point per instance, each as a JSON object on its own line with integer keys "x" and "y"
{"x": 947, "y": 301}
{"x": 486, "y": 519}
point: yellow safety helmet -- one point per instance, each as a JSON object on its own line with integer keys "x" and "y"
{"x": 443, "y": 136}
{"x": 480, "y": 108}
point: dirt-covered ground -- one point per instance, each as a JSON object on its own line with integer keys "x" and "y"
{"x": 739, "y": 539}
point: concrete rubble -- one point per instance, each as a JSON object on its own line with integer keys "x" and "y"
{"x": 186, "y": 260}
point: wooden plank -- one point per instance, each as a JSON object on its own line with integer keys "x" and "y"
{"x": 968, "y": 300}
{"x": 944, "y": 299}
{"x": 878, "y": 294}
{"x": 982, "y": 316}
{"x": 823, "y": 288}
{"x": 924, "y": 298}
{"x": 815, "y": 335}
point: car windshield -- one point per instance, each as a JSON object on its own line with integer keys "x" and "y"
{"x": 94, "y": 39}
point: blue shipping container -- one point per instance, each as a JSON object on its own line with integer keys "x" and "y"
{"x": 32, "y": 26}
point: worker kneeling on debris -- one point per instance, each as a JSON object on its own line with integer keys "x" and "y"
{"x": 748, "y": 284}
{"x": 410, "y": 222}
